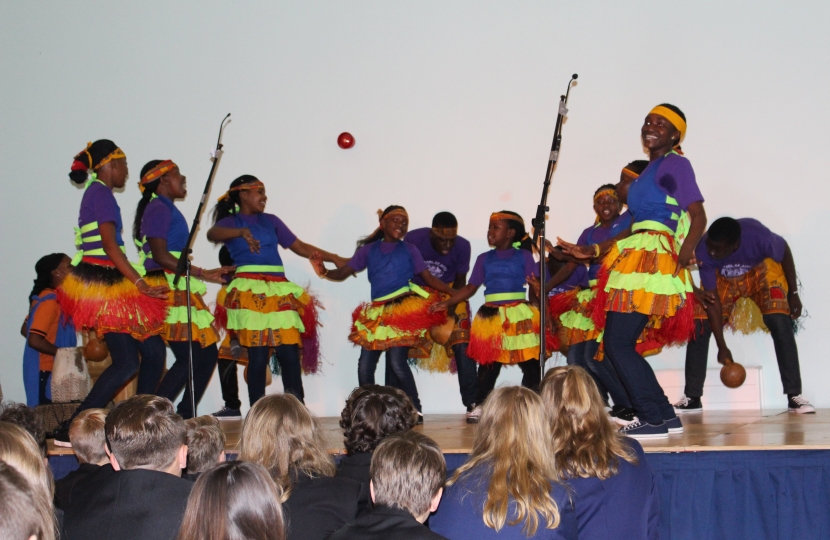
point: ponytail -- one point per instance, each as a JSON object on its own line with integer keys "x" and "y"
{"x": 43, "y": 269}
{"x": 377, "y": 234}
{"x": 228, "y": 204}
{"x": 521, "y": 234}
{"x": 149, "y": 189}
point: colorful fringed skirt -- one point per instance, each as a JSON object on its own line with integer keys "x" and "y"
{"x": 571, "y": 317}
{"x": 402, "y": 321}
{"x": 175, "y": 326}
{"x": 508, "y": 334}
{"x": 637, "y": 277}
{"x": 437, "y": 357}
{"x": 269, "y": 311}
{"x": 98, "y": 297}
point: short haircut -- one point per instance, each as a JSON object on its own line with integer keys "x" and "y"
{"x": 373, "y": 412}
{"x": 205, "y": 445}
{"x": 21, "y": 518}
{"x": 89, "y": 439}
{"x": 444, "y": 219}
{"x": 725, "y": 230}
{"x": 407, "y": 471}
{"x": 26, "y": 417}
{"x": 145, "y": 432}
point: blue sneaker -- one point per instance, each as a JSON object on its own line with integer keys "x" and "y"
{"x": 675, "y": 426}
{"x": 226, "y": 413}
{"x": 644, "y": 430}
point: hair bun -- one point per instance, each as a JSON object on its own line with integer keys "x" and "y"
{"x": 78, "y": 176}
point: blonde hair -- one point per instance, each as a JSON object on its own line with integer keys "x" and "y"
{"x": 89, "y": 439}
{"x": 511, "y": 448}
{"x": 20, "y": 518}
{"x": 281, "y": 435}
{"x": 585, "y": 443}
{"x": 205, "y": 445}
{"x": 407, "y": 470}
{"x": 19, "y": 450}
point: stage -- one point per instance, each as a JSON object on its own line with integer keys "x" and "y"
{"x": 730, "y": 475}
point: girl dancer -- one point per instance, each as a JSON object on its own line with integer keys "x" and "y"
{"x": 506, "y": 328}
{"x": 161, "y": 232}
{"x": 643, "y": 280}
{"x": 46, "y": 329}
{"x": 264, "y": 308}
{"x": 103, "y": 292}
{"x": 399, "y": 314}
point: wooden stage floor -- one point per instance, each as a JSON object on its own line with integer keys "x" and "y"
{"x": 705, "y": 431}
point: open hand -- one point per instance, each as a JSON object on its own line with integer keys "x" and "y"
{"x": 253, "y": 243}
{"x": 575, "y": 251}
{"x": 706, "y": 298}
{"x": 215, "y": 275}
{"x": 159, "y": 291}
{"x": 439, "y": 306}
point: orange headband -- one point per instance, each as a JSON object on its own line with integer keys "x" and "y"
{"x": 156, "y": 172}
{"x": 604, "y": 192}
{"x": 395, "y": 212}
{"x": 502, "y": 215}
{"x": 115, "y": 154}
{"x": 242, "y": 187}
{"x": 675, "y": 119}
{"x": 629, "y": 173}
{"x": 447, "y": 233}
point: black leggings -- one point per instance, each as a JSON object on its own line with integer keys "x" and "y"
{"x": 487, "y": 376}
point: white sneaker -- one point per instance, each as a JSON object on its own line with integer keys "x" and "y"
{"x": 799, "y": 405}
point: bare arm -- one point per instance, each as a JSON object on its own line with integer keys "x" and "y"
{"x": 788, "y": 264}
{"x": 306, "y": 250}
{"x": 460, "y": 281}
{"x": 436, "y": 283}
{"x": 461, "y": 295}
{"x": 584, "y": 253}
{"x": 162, "y": 257}
{"x": 714, "y": 311}
{"x": 222, "y": 234}
{"x": 42, "y": 345}
{"x": 119, "y": 259}
{"x": 697, "y": 214}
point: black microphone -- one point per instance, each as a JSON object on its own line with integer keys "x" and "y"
{"x": 574, "y": 76}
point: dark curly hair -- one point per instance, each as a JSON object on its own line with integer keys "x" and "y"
{"x": 372, "y": 413}
{"x": 26, "y": 418}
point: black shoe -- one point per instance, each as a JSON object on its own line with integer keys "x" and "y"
{"x": 799, "y": 404}
{"x": 473, "y": 414}
{"x": 420, "y": 421}
{"x": 226, "y": 413}
{"x": 624, "y": 416}
{"x": 61, "y": 436}
{"x": 687, "y": 405}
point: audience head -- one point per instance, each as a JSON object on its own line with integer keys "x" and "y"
{"x": 281, "y": 435}
{"x": 374, "y": 412}
{"x": 26, "y": 417}
{"x": 408, "y": 472}
{"x": 89, "y": 438}
{"x": 21, "y": 518}
{"x": 205, "y": 443}
{"x": 19, "y": 451}
{"x": 512, "y": 460}
{"x": 144, "y": 432}
{"x": 234, "y": 501}
{"x": 585, "y": 442}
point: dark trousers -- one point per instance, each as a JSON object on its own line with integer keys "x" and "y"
{"x": 786, "y": 352}
{"x": 398, "y": 373}
{"x": 635, "y": 373}
{"x": 467, "y": 377}
{"x": 43, "y": 383}
{"x": 128, "y": 355}
{"x": 229, "y": 382}
{"x": 488, "y": 374}
{"x": 288, "y": 357}
{"x": 204, "y": 362}
{"x": 603, "y": 373}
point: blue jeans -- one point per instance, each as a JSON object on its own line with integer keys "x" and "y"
{"x": 124, "y": 351}
{"x": 603, "y": 373}
{"x": 635, "y": 373}
{"x": 398, "y": 373}
{"x": 288, "y": 357}
{"x": 204, "y": 361}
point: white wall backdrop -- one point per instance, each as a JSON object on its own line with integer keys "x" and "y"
{"x": 452, "y": 105}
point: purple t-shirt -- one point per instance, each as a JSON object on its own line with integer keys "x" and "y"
{"x": 98, "y": 204}
{"x": 443, "y": 267}
{"x": 676, "y": 178}
{"x": 596, "y": 234}
{"x": 757, "y": 243}
{"x": 361, "y": 256}
{"x": 531, "y": 266}
{"x": 162, "y": 219}
{"x": 238, "y": 247}
{"x": 578, "y": 278}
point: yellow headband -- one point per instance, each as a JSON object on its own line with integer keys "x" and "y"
{"x": 115, "y": 154}
{"x": 502, "y": 215}
{"x": 156, "y": 172}
{"x": 242, "y": 187}
{"x": 675, "y": 119}
{"x": 629, "y": 173}
{"x": 395, "y": 212}
{"x": 447, "y": 233}
{"x": 604, "y": 192}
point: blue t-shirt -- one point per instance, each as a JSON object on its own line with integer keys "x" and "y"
{"x": 391, "y": 265}
{"x": 268, "y": 229}
{"x": 596, "y": 234}
{"x": 665, "y": 188}
{"x": 162, "y": 219}
{"x": 443, "y": 267}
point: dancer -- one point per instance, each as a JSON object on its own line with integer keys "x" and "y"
{"x": 643, "y": 280}
{"x": 447, "y": 257}
{"x": 46, "y": 329}
{"x": 103, "y": 292}
{"x": 265, "y": 309}
{"x": 398, "y": 316}
{"x": 506, "y": 328}
{"x": 161, "y": 233}
{"x": 741, "y": 259}
{"x": 230, "y": 351}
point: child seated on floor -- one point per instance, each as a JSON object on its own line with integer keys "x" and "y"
{"x": 89, "y": 442}
{"x": 205, "y": 445}
{"x": 407, "y": 479}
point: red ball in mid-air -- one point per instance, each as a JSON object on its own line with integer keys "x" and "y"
{"x": 345, "y": 140}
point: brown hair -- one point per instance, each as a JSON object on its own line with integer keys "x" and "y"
{"x": 236, "y": 500}
{"x": 585, "y": 443}
{"x": 373, "y": 412}
{"x": 205, "y": 445}
{"x": 281, "y": 435}
{"x": 511, "y": 448}
{"x": 89, "y": 440}
{"x": 145, "y": 432}
{"x": 21, "y": 415}
{"x": 20, "y": 451}
{"x": 407, "y": 471}
{"x": 20, "y": 518}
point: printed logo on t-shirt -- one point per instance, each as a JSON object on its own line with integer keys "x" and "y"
{"x": 436, "y": 268}
{"x": 734, "y": 270}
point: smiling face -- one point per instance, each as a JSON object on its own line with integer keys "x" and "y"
{"x": 394, "y": 227}
{"x": 499, "y": 234}
{"x": 252, "y": 201}
{"x": 658, "y": 134}
{"x": 607, "y": 208}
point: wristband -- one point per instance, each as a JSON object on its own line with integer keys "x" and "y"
{"x": 596, "y": 250}
{"x": 139, "y": 279}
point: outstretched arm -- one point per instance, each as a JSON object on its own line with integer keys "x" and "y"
{"x": 338, "y": 274}
{"x": 307, "y": 250}
{"x": 168, "y": 261}
{"x": 461, "y": 295}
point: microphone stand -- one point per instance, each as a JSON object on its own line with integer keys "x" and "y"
{"x": 539, "y": 221}
{"x": 183, "y": 268}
